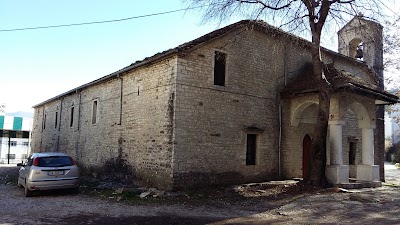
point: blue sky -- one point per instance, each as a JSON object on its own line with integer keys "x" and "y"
{"x": 36, "y": 65}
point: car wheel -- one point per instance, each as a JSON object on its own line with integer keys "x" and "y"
{"x": 28, "y": 193}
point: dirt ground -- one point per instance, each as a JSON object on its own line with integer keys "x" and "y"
{"x": 284, "y": 202}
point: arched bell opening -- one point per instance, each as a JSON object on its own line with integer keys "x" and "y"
{"x": 356, "y": 49}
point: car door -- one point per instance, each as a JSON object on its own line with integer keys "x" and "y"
{"x": 24, "y": 170}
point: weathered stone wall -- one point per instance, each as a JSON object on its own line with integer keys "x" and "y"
{"x": 133, "y": 134}
{"x": 148, "y": 115}
{"x": 211, "y": 120}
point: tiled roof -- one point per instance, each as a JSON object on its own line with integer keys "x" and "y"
{"x": 306, "y": 82}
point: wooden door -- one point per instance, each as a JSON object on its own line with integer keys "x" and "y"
{"x": 306, "y": 154}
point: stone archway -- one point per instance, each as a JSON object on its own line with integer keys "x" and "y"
{"x": 305, "y": 113}
{"x": 303, "y": 117}
{"x": 367, "y": 171}
{"x": 337, "y": 172}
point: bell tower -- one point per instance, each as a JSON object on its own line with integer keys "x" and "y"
{"x": 362, "y": 39}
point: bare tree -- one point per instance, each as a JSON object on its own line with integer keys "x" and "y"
{"x": 391, "y": 42}
{"x": 391, "y": 48}
{"x": 300, "y": 15}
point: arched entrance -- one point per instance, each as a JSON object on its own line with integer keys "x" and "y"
{"x": 306, "y": 154}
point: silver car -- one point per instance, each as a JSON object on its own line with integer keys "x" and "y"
{"x": 48, "y": 171}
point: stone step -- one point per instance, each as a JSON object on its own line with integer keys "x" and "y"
{"x": 360, "y": 184}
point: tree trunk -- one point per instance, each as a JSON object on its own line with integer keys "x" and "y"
{"x": 316, "y": 176}
{"x": 318, "y": 147}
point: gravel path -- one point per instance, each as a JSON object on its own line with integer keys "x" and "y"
{"x": 365, "y": 206}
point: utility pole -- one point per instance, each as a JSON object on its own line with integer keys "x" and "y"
{"x": 9, "y": 147}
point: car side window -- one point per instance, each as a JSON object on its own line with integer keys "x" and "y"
{"x": 29, "y": 161}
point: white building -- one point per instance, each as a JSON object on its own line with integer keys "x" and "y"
{"x": 392, "y": 121}
{"x": 15, "y": 138}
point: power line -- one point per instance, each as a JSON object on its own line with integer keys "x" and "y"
{"x": 99, "y": 22}
{"x": 388, "y": 8}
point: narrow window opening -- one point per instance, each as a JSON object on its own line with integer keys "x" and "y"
{"x": 56, "y": 121}
{"x": 251, "y": 149}
{"x": 71, "y": 120}
{"x": 44, "y": 122}
{"x": 352, "y": 153}
{"x": 219, "y": 68}
{"x": 94, "y": 112}
{"x": 138, "y": 91}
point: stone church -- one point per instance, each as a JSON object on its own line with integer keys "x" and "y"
{"x": 236, "y": 105}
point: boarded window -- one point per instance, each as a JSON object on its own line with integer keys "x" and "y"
{"x": 251, "y": 149}
{"x": 71, "y": 117}
{"x": 94, "y": 112}
{"x": 219, "y": 68}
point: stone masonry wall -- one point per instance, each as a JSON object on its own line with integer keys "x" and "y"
{"x": 133, "y": 135}
{"x": 211, "y": 120}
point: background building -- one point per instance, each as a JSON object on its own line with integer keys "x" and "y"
{"x": 15, "y": 139}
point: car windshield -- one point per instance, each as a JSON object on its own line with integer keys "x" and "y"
{"x": 55, "y": 161}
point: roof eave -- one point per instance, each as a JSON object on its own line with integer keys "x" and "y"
{"x": 385, "y": 98}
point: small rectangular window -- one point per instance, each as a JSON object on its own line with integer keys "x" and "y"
{"x": 25, "y": 134}
{"x": 94, "y": 112}
{"x": 56, "y": 121}
{"x": 13, "y": 143}
{"x": 10, "y": 156}
{"x": 25, "y": 143}
{"x": 24, "y": 156}
{"x": 219, "y": 68}
{"x": 12, "y": 134}
{"x": 251, "y": 149}
{"x": 71, "y": 119}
